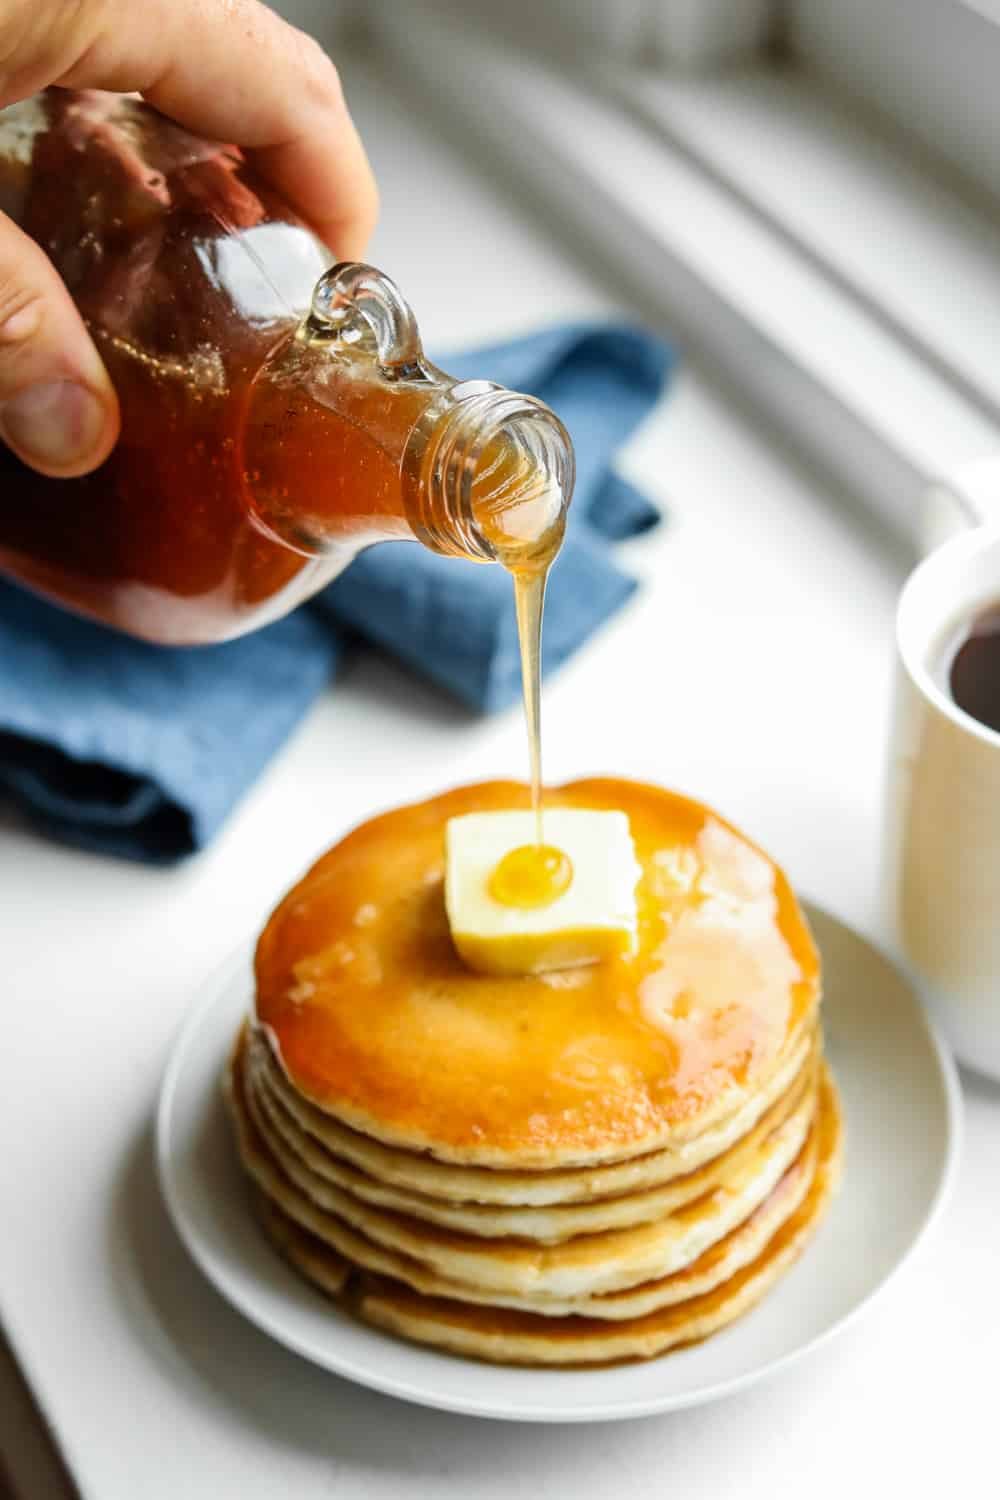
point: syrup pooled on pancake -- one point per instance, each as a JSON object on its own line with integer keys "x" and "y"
{"x": 531, "y": 875}
{"x": 376, "y": 1022}
{"x": 563, "y": 1168}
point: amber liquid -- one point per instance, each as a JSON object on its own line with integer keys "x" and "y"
{"x": 226, "y": 499}
{"x": 229, "y": 496}
{"x": 157, "y": 541}
{"x": 537, "y": 874}
{"x": 390, "y": 998}
{"x": 512, "y": 501}
{"x": 175, "y": 537}
{"x": 259, "y": 452}
{"x": 529, "y": 600}
{"x": 523, "y": 519}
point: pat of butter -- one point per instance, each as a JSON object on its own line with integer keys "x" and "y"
{"x": 594, "y": 919}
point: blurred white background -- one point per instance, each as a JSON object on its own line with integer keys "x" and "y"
{"x": 806, "y": 192}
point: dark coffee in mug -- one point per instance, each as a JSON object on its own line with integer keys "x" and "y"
{"x": 973, "y": 668}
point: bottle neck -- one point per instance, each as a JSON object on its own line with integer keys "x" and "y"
{"x": 488, "y": 476}
{"x": 351, "y": 436}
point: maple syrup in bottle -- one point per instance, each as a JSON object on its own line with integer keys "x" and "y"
{"x": 278, "y": 414}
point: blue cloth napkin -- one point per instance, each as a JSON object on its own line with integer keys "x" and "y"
{"x": 141, "y": 751}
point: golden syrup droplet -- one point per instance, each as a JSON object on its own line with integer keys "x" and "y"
{"x": 531, "y": 876}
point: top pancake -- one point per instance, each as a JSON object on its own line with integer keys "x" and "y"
{"x": 375, "y": 1020}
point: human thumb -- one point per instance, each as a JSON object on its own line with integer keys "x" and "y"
{"x": 58, "y": 410}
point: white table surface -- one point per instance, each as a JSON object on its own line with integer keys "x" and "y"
{"x": 753, "y": 670}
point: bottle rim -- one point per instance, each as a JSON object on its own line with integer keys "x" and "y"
{"x": 448, "y": 521}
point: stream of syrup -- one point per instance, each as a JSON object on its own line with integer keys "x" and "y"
{"x": 529, "y": 603}
{"x": 523, "y": 516}
{"x": 532, "y": 875}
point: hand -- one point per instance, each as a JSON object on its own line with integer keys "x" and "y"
{"x": 228, "y": 69}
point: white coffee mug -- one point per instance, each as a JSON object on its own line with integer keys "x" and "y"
{"x": 942, "y": 832}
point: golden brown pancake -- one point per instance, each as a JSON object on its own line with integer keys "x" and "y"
{"x": 701, "y": 1304}
{"x": 303, "y": 1160}
{"x": 571, "y": 1168}
{"x": 330, "y": 1271}
{"x": 377, "y": 1023}
{"x": 583, "y": 1266}
{"x": 421, "y": 1174}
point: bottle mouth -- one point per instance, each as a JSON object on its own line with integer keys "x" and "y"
{"x": 496, "y": 479}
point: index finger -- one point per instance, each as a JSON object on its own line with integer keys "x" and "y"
{"x": 229, "y": 69}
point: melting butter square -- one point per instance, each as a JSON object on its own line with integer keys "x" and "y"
{"x": 594, "y": 919}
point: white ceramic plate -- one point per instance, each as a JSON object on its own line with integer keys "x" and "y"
{"x": 901, "y": 1104}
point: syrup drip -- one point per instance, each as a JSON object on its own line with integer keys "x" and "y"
{"x": 529, "y": 599}
{"x": 531, "y": 876}
{"x": 523, "y": 516}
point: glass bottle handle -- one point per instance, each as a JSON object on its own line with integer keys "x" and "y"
{"x": 350, "y": 294}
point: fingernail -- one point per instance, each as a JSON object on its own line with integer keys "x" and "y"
{"x": 56, "y": 424}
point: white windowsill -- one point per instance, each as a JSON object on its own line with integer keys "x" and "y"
{"x": 915, "y": 251}
{"x": 849, "y": 296}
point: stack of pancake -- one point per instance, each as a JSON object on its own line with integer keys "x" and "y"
{"x": 598, "y": 1164}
